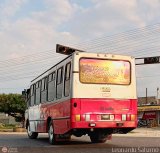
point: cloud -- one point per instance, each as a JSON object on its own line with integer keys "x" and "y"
{"x": 112, "y": 16}
{"x": 68, "y": 22}
{"x": 56, "y": 13}
{"x": 36, "y": 32}
{"x": 10, "y": 7}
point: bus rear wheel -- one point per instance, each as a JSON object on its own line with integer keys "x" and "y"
{"x": 52, "y": 136}
{"x": 31, "y": 135}
{"x": 98, "y": 138}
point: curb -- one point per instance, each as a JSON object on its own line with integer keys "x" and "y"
{"x": 139, "y": 132}
{"x": 19, "y": 129}
{"x": 13, "y": 130}
{"x": 4, "y": 133}
{"x": 6, "y": 130}
{"x": 137, "y": 135}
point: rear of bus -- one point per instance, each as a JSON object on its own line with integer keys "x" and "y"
{"x": 104, "y": 97}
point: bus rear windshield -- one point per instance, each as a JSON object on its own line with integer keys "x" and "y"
{"x": 102, "y": 71}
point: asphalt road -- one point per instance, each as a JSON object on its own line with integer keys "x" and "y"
{"x": 19, "y": 143}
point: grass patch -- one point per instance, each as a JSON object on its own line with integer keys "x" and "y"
{"x": 7, "y": 126}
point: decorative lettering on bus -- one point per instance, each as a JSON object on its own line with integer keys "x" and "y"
{"x": 105, "y": 89}
{"x": 102, "y": 71}
{"x": 102, "y": 108}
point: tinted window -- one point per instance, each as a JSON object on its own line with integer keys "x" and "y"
{"x": 67, "y": 71}
{"x": 33, "y": 94}
{"x": 105, "y": 71}
{"x": 42, "y": 87}
{"x": 59, "y": 75}
{"x": 38, "y": 93}
{"x": 67, "y": 79}
{"x": 32, "y": 90}
{"x": 59, "y": 83}
{"x": 44, "y": 90}
{"x": 51, "y": 87}
{"x": 50, "y": 77}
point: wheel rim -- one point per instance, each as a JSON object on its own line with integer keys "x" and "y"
{"x": 51, "y": 133}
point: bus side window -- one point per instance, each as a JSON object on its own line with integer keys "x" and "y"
{"x": 59, "y": 83}
{"x": 38, "y": 85}
{"x": 28, "y": 99}
{"x": 67, "y": 79}
{"x": 32, "y": 94}
{"x": 51, "y": 87}
{"x": 43, "y": 91}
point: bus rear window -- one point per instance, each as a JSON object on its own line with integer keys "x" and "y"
{"x": 100, "y": 71}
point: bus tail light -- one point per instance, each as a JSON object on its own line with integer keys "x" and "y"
{"x": 133, "y": 117}
{"x": 128, "y": 117}
{"x": 78, "y": 117}
{"x": 124, "y": 117}
{"x": 87, "y": 117}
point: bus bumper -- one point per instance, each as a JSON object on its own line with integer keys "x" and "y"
{"x": 96, "y": 124}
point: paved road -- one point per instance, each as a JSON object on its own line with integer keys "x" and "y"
{"x": 19, "y": 143}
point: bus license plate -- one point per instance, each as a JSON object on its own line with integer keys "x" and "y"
{"x": 105, "y": 117}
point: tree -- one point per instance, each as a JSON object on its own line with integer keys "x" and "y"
{"x": 13, "y": 105}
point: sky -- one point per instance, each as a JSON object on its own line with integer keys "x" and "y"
{"x": 30, "y": 30}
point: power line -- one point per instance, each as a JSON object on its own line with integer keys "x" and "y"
{"x": 22, "y": 66}
{"x": 121, "y": 34}
{"x": 119, "y": 40}
{"x": 126, "y": 34}
{"x": 92, "y": 43}
{"x": 26, "y": 56}
{"x": 141, "y": 77}
{"x": 19, "y": 78}
{"x": 24, "y": 61}
{"x": 132, "y": 44}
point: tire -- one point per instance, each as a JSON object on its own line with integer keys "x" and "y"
{"x": 98, "y": 138}
{"x": 52, "y": 136}
{"x": 31, "y": 135}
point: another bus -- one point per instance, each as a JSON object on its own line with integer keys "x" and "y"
{"x": 90, "y": 94}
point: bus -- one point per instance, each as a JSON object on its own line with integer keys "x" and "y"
{"x": 86, "y": 93}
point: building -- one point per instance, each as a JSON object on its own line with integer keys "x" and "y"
{"x": 147, "y": 100}
{"x": 149, "y": 110}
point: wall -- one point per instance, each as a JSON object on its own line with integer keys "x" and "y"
{"x": 7, "y": 119}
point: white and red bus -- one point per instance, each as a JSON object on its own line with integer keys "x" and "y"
{"x": 85, "y": 93}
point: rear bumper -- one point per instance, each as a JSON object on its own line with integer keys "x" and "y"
{"x": 101, "y": 124}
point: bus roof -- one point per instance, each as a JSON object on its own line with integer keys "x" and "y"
{"x": 51, "y": 68}
{"x": 79, "y": 52}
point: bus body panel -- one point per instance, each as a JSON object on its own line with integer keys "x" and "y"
{"x": 58, "y": 112}
{"x": 60, "y": 115}
{"x": 95, "y": 100}
{"x": 90, "y": 90}
{"x": 93, "y": 110}
{"x": 58, "y": 109}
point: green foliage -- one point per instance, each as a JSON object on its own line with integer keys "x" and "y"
{"x": 7, "y": 126}
{"x": 13, "y": 104}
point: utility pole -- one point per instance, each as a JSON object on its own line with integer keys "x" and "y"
{"x": 157, "y": 95}
{"x": 146, "y": 97}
